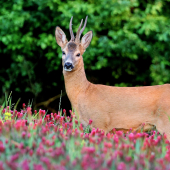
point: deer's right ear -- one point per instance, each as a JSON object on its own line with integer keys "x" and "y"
{"x": 60, "y": 37}
{"x": 86, "y": 39}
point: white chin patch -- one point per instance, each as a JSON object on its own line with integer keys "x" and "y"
{"x": 68, "y": 69}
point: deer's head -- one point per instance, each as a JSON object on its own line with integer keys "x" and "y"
{"x": 72, "y": 50}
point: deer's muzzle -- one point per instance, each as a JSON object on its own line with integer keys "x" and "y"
{"x": 68, "y": 66}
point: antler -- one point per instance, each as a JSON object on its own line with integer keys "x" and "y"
{"x": 71, "y": 31}
{"x": 83, "y": 26}
{"x": 80, "y": 32}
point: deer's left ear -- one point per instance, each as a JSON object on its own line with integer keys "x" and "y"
{"x": 60, "y": 37}
{"x": 85, "y": 41}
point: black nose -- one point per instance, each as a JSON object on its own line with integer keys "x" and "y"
{"x": 68, "y": 65}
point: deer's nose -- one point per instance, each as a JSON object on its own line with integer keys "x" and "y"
{"x": 68, "y": 65}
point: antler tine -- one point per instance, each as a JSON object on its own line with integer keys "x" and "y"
{"x": 83, "y": 26}
{"x": 78, "y": 32}
{"x": 71, "y": 31}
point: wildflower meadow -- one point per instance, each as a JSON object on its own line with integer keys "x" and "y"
{"x": 37, "y": 140}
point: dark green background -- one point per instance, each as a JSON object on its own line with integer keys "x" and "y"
{"x": 130, "y": 45}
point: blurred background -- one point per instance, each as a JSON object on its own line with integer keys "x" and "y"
{"x": 130, "y": 46}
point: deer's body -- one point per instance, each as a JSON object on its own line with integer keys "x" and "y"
{"x": 112, "y": 107}
{"x": 118, "y": 107}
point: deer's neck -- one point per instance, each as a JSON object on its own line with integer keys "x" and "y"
{"x": 75, "y": 83}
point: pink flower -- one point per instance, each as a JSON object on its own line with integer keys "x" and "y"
{"x": 91, "y": 139}
{"x": 74, "y": 163}
{"x": 119, "y": 133}
{"x": 76, "y": 122}
{"x": 108, "y": 136}
{"x": 61, "y": 120}
{"x": 152, "y": 157}
{"x": 38, "y": 167}
{"x": 128, "y": 158}
{"x": 109, "y": 162}
{"x": 89, "y": 150}
{"x": 1, "y": 166}
{"x": 23, "y": 134}
{"x": 18, "y": 114}
{"x": 108, "y": 145}
{"x": 131, "y": 136}
{"x": 29, "y": 135}
{"x": 90, "y": 121}
{"x": 116, "y": 139}
{"x": 47, "y": 117}
{"x": 65, "y": 125}
{"x": 167, "y": 142}
{"x": 138, "y": 135}
{"x": 165, "y": 136}
{"x": 25, "y": 165}
{"x": 81, "y": 127}
{"x": 14, "y": 157}
{"x": 87, "y": 136}
{"x": 2, "y": 148}
{"x": 167, "y": 157}
{"x": 46, "y": 161}
{"x": 23, "y": 105}
{"x": 18, "y": 125}
{"x": 58, "y": 117}
{"x": 93, "y": 132}
{"x": 121, "y": 166}
{"x": 81, "y": 135}
{"x": 29, "y": 112}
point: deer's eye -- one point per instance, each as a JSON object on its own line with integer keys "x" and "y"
{"x": 78, "y": 55}
{"x": 63, "y": 53}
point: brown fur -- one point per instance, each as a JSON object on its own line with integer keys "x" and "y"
{"x": 118, "y": 107}
{"x": 115, "y": 107}
{"x": 71, "y": 46}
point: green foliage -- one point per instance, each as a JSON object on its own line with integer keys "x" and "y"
{"x": 130, "y": 42}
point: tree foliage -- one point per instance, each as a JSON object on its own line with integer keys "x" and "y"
{"x": 130, "y": 45}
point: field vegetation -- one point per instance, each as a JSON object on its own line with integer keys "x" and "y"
{"x": 35, "y": 140}
{"x": 130, "y": 45}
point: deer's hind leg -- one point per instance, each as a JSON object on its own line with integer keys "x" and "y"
{"x": 163, "y": 126}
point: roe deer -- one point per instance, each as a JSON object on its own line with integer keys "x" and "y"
{"x": 110, "y": 107}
